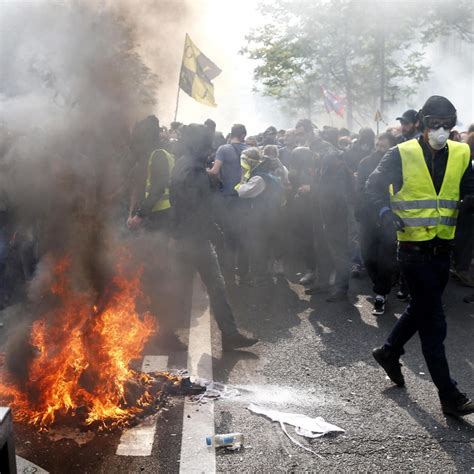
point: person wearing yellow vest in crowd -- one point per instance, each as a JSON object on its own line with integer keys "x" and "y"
{"x": 155, "y": 205}
{"x": 261, "y": 191}
{"x": 418, "y": 188}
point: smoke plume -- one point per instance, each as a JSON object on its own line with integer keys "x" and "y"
{"x": 73, "y": 85}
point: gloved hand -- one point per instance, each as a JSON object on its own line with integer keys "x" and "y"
{"x": 467, "y": 204}
{"x": 389, "y": 220}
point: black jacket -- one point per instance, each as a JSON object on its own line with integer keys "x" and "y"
{"x": 191, "y": 200}
{"x": 389, "y": 171}
{"x": 354, "y": 155}
{"x": 364, "y": 211}
{"x": 333, "y": 190}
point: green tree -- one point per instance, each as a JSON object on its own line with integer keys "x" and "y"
{"x": 370, "y": 51}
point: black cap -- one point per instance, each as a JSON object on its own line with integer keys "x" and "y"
{"x": 410, "y": 116}
{"x": 438, "y": 106}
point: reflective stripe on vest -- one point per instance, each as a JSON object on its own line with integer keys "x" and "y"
{"x": 426, "y": 214}
{"x": 164, "y": 202}
{"x": 426, "y": 204}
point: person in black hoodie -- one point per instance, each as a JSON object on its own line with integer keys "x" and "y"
{"x": 362, "y": 147}
{"x": 192, "y": 224}
{"x": 333, "y": 192}
{"x": 378, "y": 245}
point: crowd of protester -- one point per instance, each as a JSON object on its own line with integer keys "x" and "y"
{"x": 281, "y": 202}
{"x": 295, "y": 202}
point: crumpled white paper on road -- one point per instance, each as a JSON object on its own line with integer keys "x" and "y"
{"x": 304, "y": 425}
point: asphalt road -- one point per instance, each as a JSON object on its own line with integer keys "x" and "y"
{"x": 314, "y": 358}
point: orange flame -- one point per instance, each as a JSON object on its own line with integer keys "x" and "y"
{"x": 82, "y": 354}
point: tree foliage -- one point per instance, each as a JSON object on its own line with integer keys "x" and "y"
{"x": 370, "y": 51}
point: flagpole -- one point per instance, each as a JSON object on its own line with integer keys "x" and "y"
{"x": 177, "y": 101}
{"x": 330, "y": 118}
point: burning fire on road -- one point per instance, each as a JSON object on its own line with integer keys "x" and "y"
{"x": 80, "y": 366}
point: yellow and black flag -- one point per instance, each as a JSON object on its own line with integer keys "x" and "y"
{"x": 197, "y": 72}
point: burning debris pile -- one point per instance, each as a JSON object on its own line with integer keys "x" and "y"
{"x": 80, "y": 351}
{"x": 68, "y": 103}
{"x": 80, "y": 354}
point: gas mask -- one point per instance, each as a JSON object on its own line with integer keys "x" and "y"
{"x": 438, "y": 138}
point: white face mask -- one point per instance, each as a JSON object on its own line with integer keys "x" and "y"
{"x": 438, "y": 138}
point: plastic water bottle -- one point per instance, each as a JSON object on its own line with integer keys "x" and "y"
{"x": 230, "y": 440}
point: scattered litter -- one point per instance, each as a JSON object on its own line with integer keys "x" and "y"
{"x": 80, "y": 437}
{"x": 304, "y": 425}
{"x": 349, "y": 320}
{"x": 230, "y": 441}
{"x": 422, "y": 373}
{"x": 213, "y": 391}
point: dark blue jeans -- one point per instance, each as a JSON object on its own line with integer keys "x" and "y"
{"x": 427, "y": 277}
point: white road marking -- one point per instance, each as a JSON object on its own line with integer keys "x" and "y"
{"x": 198, "y": 421}
{"x": 24, "y": 466}
{"x": 138, "y": 441}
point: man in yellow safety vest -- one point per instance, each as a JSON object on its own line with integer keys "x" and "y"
{"x": 418, "y": 188}
{"x": 155, "y": 203}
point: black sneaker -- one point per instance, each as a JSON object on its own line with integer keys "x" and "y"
{"x": 458, "y": 405}
{"x": 237, "y": 340}
{"x": 390, "y": 364}
{"x": 379, "y": 305}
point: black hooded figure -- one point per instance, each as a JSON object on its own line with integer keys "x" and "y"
{"x": 192, "y": 226}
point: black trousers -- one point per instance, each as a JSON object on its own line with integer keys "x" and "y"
{"x": 379, "y": 253}
{"x": 332, "y": 250}
{"x": 233, "y": 253}
{"x": 300, "y": 223}
{"x": 427, "y": 277}
{"x": 196, "y": 255}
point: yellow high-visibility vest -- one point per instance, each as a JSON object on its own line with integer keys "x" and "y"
{"x": 247, "y": 166}
{"x": 164, "y": 202}
{"x": 427, "y": 215}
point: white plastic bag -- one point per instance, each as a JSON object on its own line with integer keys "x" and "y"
{"x": 304, "y": 425}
